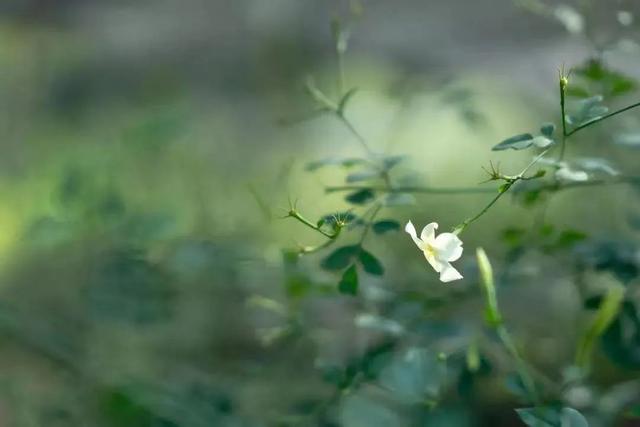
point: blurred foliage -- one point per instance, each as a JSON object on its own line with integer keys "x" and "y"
{"x": 144, "y": 280}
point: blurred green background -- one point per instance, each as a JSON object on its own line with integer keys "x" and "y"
{"x": 145, "y": 168}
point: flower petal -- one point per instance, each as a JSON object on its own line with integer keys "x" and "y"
{"x": 449, "y": 274}
{"x": 429, "y": 232}
{"x": 411, "y": 230}
{"x": 449, "y": 247}
{"x": 434, "y": 262}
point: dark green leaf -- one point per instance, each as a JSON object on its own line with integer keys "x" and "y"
{"x": 386, "y": 225}
{"x": 547, "y": 129}
{"x": 360, "y": 197}
{"x": 349, "y": 282}
{"x": 517, "y": 142}
{"x": 370, "y": 263}
{"x": 621, "y": 341}
{"x": 569, "y": 238}
{"x": 345, "y": 217}
{"x": 340, "y": 258}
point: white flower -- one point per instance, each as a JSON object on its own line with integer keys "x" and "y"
{"x": 439, "y": 251}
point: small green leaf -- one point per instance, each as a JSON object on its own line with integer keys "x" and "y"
{"x": 547, "y": 129}
{"x": 390, "y": 161}
{"x": 370, "y": 263}
{"x": 517, "y": 142}
{"x": 360, "y": 197}
{"x": 576, "y": 91}
{"x": 513, "y": 236}
{"x": 386, "y": 225}
{"x": 550, "y": 416}
{"x": 320, "y": 222}
{"x": 340, "y": 258}
{"x": 349, "y": 282}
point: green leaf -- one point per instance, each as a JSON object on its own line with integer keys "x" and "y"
{"x": 513, "y": 236}
{"x": 360, "y": 410}
{"x": 370, "y": 263}
{"x": 605, "y": 316}
{"x": 611, "y": 82}
{"x": 568, "y": 238}
{"x": 349, "y": 282}
{"x": 346, "y": 217}
{"x": 360, "y": 197}
{"x": 576, "y": 91}
{"x": 552, "y": 417}
{"x": 386, "y": 225}
{"x": 362, "y": 176}
{"x": 390, "y": 161}
{"x": 399, "y": 199}
{"x": 340, "y": 258}
{"x": 547, "y": 129}
{"x": 414, "y": 376}
{"x": 621, "y": 341}
{"x": 517, "y": 142}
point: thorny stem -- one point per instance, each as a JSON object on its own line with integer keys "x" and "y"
{"x": 502, "y": 191}
{"x": 563, "y": 91}
{"x": 293, "y": 213}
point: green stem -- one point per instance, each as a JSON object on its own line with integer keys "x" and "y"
{"x": 412, "y": 189}
{"x": 357, "y": 135}
{"x": 563, "y": 118}
{"x": 503, "y": 190}
{"x": 602, "y": 118}
{"x": 521, "y": 366}
{"x": 296, "y": 215}
{"x": 367, "y": 227}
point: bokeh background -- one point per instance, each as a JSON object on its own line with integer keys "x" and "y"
{"x": 146, "y": 165}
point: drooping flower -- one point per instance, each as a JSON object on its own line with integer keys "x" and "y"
{"x": 439, "y": 251}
